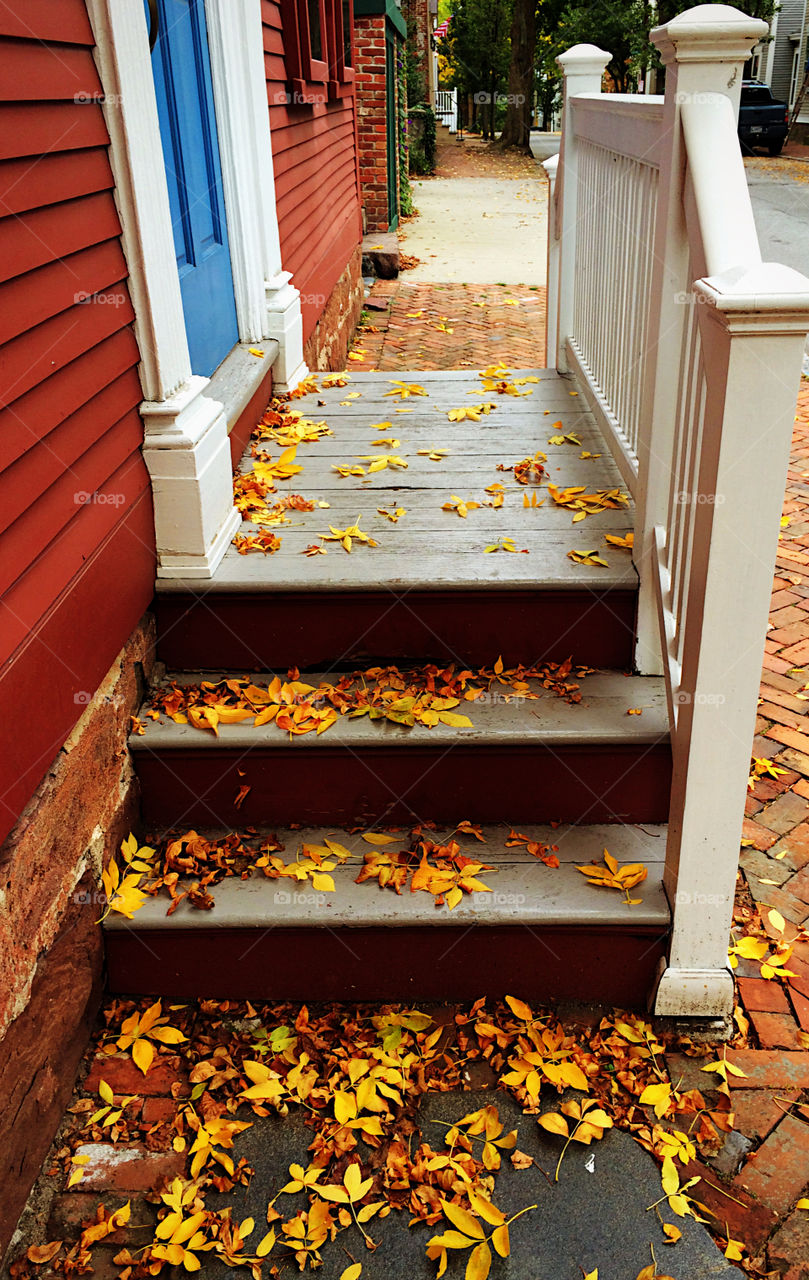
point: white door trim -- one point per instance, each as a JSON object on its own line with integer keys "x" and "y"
{"x": 186, "y": 446}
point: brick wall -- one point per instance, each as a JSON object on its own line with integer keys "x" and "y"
{"x": 50, "y": 940}
{"x": 327, "y": 347}
{"x": 369, "y": 34}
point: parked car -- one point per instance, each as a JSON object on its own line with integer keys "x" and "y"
{"x": 763, "y": 120}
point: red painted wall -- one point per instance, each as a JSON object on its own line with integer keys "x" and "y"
{"x": 315, "y": 159}
{"x": 76, "y": 531}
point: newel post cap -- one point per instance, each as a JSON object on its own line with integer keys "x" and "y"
{"x": 584, "y": 60}
{"x": 708, "y": 33}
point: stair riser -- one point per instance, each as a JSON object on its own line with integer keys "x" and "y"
{"x": 275, "y": 631}
{"x": 615, "y": 967}
{"x": 483, "y": 783}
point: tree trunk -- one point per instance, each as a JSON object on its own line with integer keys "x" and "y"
{"x": 517, "y": 127}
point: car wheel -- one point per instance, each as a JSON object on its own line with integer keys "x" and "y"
{"x": 775, "y": 148}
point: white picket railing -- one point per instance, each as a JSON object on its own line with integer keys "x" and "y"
{"x": 446, "y": 108}
{"x": 689, "y": 351}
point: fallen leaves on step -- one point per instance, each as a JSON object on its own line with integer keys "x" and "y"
{"x": 138, "y": 1031}
{"x": 576, "y": 498}
{"x": 347, "y": 537}
{"x": 569, "y": 438}
{"x": 614, "y": 876}
{"x": 588, "y": 557}
{"x": 391, "y": 460}
{"x": 124, "y": 894}
{"x": 434, "y": 455}
{"x": 388, "y": 442}
{"x": 314, "y": 550}
{"x": 530, "y": 470}
{"x": 265, "y": 540}
{"x": 626, "y": 543}
{"x": 460, "y": 506}
{"x": 393, "y": 516}
{"x": 546, "y": 853}
{"x": 532, "y": 502}
{"x": 473, "y": 412}
{"x": 405, "y": 389}
{"x": 505, "y": 544}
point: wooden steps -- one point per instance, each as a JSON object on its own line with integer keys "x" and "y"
{"x": 429, "y": 590}
{"x": 522, "y": 760}
{"x": 274, "y": 939}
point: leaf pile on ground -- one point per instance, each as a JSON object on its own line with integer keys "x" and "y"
{"x": 357, "y": 1073}
{"x": 425, "y": 695}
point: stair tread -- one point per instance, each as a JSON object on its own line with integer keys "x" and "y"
{"x": 524, "y": 892}
{"x": 600, "y": 718}
{"x": 430, "y": 549}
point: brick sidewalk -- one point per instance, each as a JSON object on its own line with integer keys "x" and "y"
{"x": 450, "y": 326}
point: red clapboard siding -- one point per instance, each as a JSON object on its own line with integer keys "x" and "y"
{"x": 76, "y": 571}
{"x": 39, "y": 128}
{"x": 41, "y": 235}
{"x": 91, "y": 278}
{"x": 53, "y": 178}
{"x": 34, "y": 72}
{"x": 70, "y": 652}
{"x": 38, "y": 415}
{"x": 46, "y": 461}
{"x": 43, "y": 20}
{"x": 314, "y": 154}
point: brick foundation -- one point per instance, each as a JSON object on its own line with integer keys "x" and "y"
{"x": 50, "y": 941}
{"x": 372, "y": 145}
{"x": 327, "y": 347}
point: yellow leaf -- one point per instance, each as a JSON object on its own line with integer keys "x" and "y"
{"x": 353, "y": 1183}
{"x": 518, "y": 1007}
{"x": 463, "y": 1220}
{"x": 265, "y": 1245}
{"x": 734, "y": 1250}
{"x": 454, "y": 720}
{"x": 554, "y": 1124}
{"x": 168, "y": 1035}
{"x": 353, "y": 1272}
{"x": 803, "y": 1203}
{"x": 451, "y": 1240}
{"x": 142, "y": 1055}
{"x": 592, "y": 1275}
{"x": 375, "y": 838}
{"x": 501, "y": 1241}
{"x": 479, "y": 1264}
{"x": 485, "y": 1209}
{"x": 776, "y": 920}
{"x": 671, "y": 1232}
{"x": 105, "y": 1092}
{"x": 41, "y": 1253}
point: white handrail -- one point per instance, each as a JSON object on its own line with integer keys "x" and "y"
{"x": 689, "y": 348}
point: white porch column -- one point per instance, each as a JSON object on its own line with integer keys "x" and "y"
{"x": 267, "y": 304}
{"x": 582, "y": 67}
{"x": 185, "y": 445}
{"x": 704, "y": 51}
{"x": 753, "y": 324}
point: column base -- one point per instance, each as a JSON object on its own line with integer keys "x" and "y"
{"x": 693, "y": 993}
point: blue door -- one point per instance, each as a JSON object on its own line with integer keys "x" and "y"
{"x": 182, "y": 75}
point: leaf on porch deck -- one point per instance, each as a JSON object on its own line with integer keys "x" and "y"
{"x": 459, "y": 506}
{"x": 531, "y": 470}
{"x": 587, "y": 557}
{"x": 614, "y": 540}
{"x": 577, "y": 499}
{"x": 473, "y": 412}
{"x": 614, "y": 876}
{"x": 393, "y": 516}
{"x": 347, "y": 537}
{"x": 391, "y": 460}
{"x": 405, "y": 389}
{"x": 265, "y": 540}
{"x": 435, "y": 455}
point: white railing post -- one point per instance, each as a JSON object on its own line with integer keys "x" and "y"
{"x": 753, "y": 327}
{"x": 552, "y": 290}
{"x": 583, "y": 67}
{"x": 704, "y": 51}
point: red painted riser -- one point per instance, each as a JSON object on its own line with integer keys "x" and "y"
{"x": 612, "y": 966}
{"x": 245, "y": 632}
{"x": 335, "y": 786}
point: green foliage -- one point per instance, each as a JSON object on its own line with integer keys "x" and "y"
{"x": 421, "y": 134}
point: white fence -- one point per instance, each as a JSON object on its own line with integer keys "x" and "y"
{"x": 689, "y": 350}
{"x": 446, "y": 108}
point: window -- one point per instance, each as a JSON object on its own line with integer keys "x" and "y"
{"x": 793, "y": 78}
{"x": 318, "y": 49}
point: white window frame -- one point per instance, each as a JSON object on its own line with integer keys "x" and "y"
{"x": 186, "y": 447}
